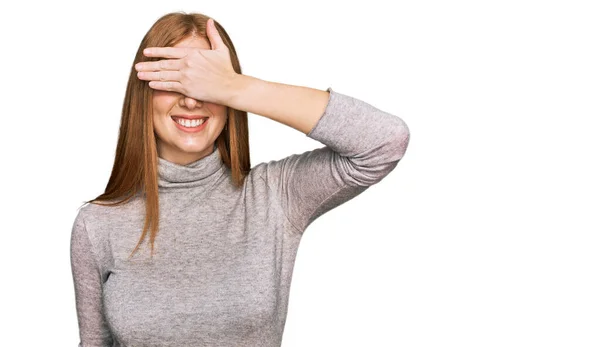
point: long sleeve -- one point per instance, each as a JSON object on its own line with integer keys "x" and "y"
{"x": 362, "y": 145}
{"x": 93, "y": 329}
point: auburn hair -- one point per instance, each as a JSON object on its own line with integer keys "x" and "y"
{"x": 135, "y": 169}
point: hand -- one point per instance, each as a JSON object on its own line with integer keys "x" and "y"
{"x": 201, "y": 74}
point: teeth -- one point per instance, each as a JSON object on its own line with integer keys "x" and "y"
{"x": 190, "y": 123}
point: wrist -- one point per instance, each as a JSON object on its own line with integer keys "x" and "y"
{"x": 236, "y": 86}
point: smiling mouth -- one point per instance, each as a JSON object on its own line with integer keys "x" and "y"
{"x": 190, "y": 124}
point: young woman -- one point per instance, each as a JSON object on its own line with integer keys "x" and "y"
{"x": 213, "y": 265}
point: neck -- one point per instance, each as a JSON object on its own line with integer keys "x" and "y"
{"x": 200, "y": 172}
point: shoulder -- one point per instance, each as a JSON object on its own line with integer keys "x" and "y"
{"x": 100, "y": 218}
{"x": 94, "y": 211}
{"x": 259, "y": 183}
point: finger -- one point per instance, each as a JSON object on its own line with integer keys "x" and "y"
{"x": 159, "y": 75}
{"x": 170, "y": 86}
{"x": 167, "y": 52}
{"x": 213, "y": 35}
{"x": 167, "y": 64}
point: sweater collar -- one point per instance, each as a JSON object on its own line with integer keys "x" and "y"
{"x": 201, "y": 172}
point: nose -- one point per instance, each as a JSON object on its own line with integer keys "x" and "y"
{"x": 190, "y": 102}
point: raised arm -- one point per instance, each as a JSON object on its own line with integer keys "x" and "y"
{"x": 93, "y": 329}
{"x": 295, "y": 106}
{"x": 362, "y": 145}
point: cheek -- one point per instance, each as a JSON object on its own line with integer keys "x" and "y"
{"x": 163, "y": 101}
{"x": 159, "y": 127}
{"x": 219, "y": 111}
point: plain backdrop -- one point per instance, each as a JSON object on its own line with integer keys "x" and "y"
{"x": 485, "y": 234}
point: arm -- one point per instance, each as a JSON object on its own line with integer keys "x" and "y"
{"x": 93, "y": 329}
{"x": 295, "y": 106}
{"x": 362, "y": 145}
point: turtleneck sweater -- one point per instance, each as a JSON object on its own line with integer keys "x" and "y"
{"x": 224, "y": 256}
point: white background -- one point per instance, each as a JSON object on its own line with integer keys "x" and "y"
{"x": 486, "y": 233}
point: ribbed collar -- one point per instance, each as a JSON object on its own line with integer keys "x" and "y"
{"x": 201, "y": 172}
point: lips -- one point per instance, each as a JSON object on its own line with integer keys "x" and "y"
{"x": 190, "y": 129}
{"x": 178, "y": 116}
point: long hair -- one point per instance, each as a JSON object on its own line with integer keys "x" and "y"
{"x": 135, "y": 169}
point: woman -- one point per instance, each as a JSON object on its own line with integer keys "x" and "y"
{"x": 218, "y": 265}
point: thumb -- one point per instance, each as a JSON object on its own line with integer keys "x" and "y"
{"x": 216, "y": 42}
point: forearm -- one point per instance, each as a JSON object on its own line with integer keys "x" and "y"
{"x": 295, "y": 106}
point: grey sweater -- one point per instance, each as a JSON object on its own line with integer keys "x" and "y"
{"x": 224, "y": 257}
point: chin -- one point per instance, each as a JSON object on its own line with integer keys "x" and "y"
{"x": 196, "y": 148}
